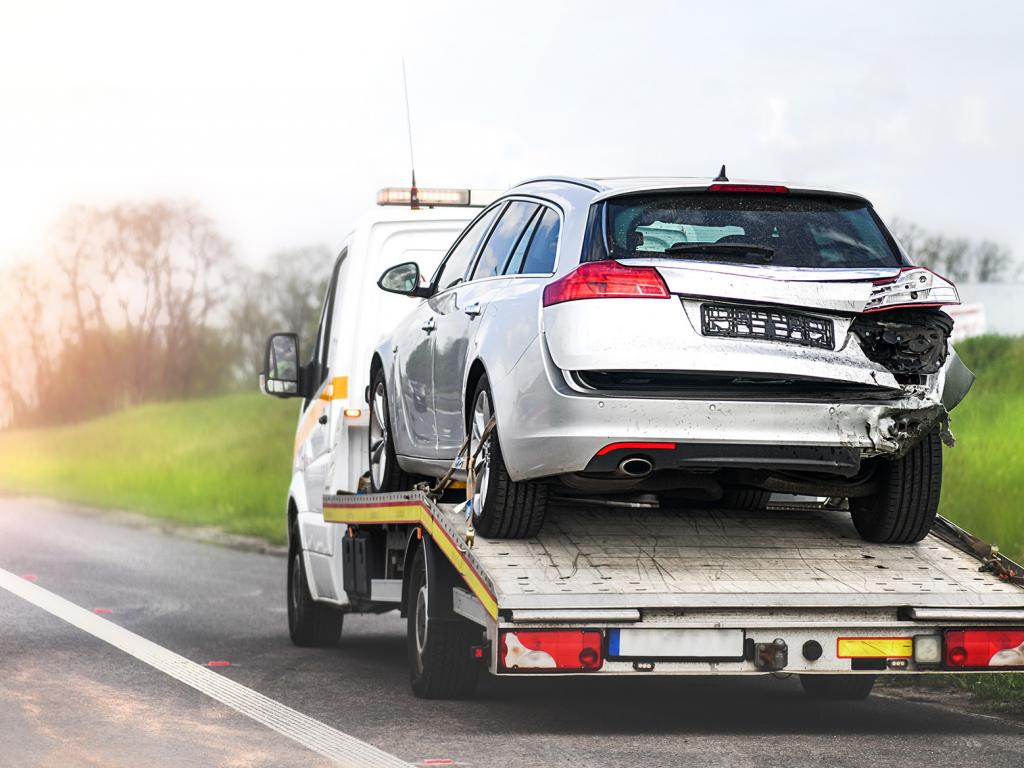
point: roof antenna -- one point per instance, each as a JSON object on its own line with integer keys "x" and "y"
{"x": 414, "y": 194}
{"x": 720, "y": 177}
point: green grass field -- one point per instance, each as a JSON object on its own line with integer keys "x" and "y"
{"x": 223, "y": 461}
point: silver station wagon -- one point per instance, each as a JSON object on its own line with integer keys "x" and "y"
{"x": 680, "y": 339}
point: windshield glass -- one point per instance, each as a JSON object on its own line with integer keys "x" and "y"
{"x": 787, "y": 230}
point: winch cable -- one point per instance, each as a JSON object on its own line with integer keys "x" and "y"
{"x": 471, "y": 455}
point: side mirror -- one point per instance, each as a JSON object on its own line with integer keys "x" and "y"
{"x": 281, "y": 372}
{"x": 403, "y": 279}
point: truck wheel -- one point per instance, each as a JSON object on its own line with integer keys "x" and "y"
{"x": 310, "y": 624}
{"x": 441, "y": 663}
{"x": 838, "y": 687}
{"x": 744, "y": 499}
{"x": 502, "y": 509}
{"x": 385, "y": 474}
{"x": 903, "y": 510}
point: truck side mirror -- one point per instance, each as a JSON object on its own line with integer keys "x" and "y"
{"x": 281, "y": 375}
{"x": 403, "y": 279}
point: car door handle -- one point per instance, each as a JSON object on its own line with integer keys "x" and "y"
{"x": 473, "y": 310}
{"x": 323, "y": 418}
{"x": 429, "y": 326}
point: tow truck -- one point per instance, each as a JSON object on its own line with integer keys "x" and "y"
{"x": 623, "y": 588}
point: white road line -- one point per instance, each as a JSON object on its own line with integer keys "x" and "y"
{"x": 312, "y": 734}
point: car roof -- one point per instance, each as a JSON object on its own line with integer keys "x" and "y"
{"x": 612, "y": 186}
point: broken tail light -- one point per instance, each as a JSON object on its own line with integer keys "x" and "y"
{"x": 606, "y": 279}
{"x": 554, "y": 651}
{"x": 912, "y": 287}
{"x": 909, "y": 342}
{"x": 985, "y": 649}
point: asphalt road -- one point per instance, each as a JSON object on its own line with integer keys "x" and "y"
{"x": 68, "y": 698}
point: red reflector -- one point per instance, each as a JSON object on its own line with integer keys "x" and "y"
{"x": 771, "y": 189}
{"x": 606, "y": 280}
{"x": 982, "y": 648}
{"x": 218, "y": 663}
{"x": 636, "y": 447}
{"x": 538, "y": 651}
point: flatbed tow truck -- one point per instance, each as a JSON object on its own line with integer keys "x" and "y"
{"x": 620, "y": 591}
{"x": 608, "y": 587}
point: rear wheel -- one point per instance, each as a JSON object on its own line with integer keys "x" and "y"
{"x": 441, "y": 663}
{"x": 385, "y": 474}
{"x": 310, "y": 624}
{"x": 903, "y": 510}
{"x": 838, "y": 687}
{"x": 502, "y": 508}
{"x": 744, "y": 499}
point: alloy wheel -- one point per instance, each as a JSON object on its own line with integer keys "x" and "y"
{"x": 481, "y": 416}
{"x": 378, "y": 436}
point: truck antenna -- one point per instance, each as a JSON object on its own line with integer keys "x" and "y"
{"x": 414, "y": 195}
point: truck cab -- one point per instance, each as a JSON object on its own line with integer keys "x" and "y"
{"x": 329, "y": 372}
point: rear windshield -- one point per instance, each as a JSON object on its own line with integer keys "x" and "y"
{"x": 779, "y": 229}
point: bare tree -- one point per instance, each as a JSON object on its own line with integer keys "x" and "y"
{"x": 959, "y": 258}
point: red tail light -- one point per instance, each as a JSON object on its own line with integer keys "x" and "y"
{"x": 985, "y": 648}
{"x": 772, "y": 189}
{"x": 636, "y": 447}
{"x": 538, "y": 651}
{"x": 606, "y": 280}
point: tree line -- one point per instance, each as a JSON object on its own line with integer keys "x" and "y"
{"x": 137, "y": 302}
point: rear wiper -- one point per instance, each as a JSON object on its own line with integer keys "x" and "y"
{"x": 733, "y": 250}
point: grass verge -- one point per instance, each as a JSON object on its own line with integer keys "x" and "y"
{"x": 223, "y": 461}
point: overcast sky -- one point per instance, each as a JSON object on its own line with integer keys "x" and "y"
{"x": 283, "y": 119}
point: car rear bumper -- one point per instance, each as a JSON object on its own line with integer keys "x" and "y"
{"x": 546, "y": 428}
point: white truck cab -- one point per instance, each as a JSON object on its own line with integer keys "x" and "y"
{"x": 331, "y": 372}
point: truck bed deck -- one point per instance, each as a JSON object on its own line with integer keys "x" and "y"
{"x": 612, "y": 558}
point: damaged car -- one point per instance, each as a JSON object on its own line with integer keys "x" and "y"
{"x": 691, "y": 339}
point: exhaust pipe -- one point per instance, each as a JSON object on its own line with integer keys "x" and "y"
{"x": 636, "y": 466}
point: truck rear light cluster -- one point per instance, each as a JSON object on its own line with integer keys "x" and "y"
{"x": 554, "y": 651}
{"x": 912, "y": 287}
{"x": 607, "y": 279}
{"x": 984, "y": 648}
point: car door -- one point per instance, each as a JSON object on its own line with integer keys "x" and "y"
{"x": 315, "y": 433}
{"x": 461, "y": 310}
{"x": 416, "y": 435}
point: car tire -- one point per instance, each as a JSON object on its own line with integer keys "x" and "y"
{"x": 903, "y": 510}
{"x": 838, "y": 687}
{"x": 744, "y": 499}
{"x": 385, "y": 473}
{"x": 502, "y": 508}
{"x": 441, "y": 663}
{"x": 310, "y": 624}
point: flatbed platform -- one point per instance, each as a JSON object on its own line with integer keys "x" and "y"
{"x": 611, "y": 558}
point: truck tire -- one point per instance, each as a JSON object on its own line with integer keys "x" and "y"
{"x": 903, "y": 510}
{"x": 310, "y": 624}
{"x": 385, "y": 474}
{"x": 744, "y": 499}
{"x": 502, "y": 508}
{"x": 441, "y": 663}
{"x": 838, "y": 687}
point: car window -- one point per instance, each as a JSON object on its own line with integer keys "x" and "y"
{"x": 317, "y": 367}
{"x": 453, "y": 269}
{"x": 787, "y": 230}
{"x": 503, "y": 238}
{"x": 540, "y": 256}
{"x": 515, "y": 262}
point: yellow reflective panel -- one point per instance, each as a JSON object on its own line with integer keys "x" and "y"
{"x": 875, "y": 648}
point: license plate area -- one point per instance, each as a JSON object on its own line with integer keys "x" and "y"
{"x": 735, "y": 321}
{"x": 678, "y": 644}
